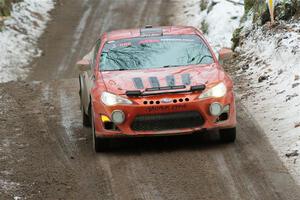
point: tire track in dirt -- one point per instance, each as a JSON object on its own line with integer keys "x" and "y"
{"x": 74, "y": 141}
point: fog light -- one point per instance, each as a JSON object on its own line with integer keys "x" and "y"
{"x": 215, "y": 109}
{"x": 118, "y": 116}
{"x": 104, "y": 118}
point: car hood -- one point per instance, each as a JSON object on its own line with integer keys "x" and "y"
{"x": 118, "y": 82}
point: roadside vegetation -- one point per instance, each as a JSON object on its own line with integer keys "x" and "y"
{"x": 203, "y": 5}
{"x": 5, "y": 8}
{"x": 204, "y": 27}
{"x": 257, "y": 12}
{"x": 284, "y": 8}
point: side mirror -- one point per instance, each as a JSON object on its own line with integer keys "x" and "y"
{"x": 225, "y": 54}
{"x": 83, "y": 65}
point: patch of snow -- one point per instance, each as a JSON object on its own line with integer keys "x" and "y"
{"x": 270, "y": 66}
{"x": 273, "y": 59}
{"x": 222, "y": 17}
{"x": 6, "y": 172}
{"x": 70, "y": 122}
{"x": 6, "y": 185}
{"x": 6, "y": 145}
{"x": 19, "y": 37}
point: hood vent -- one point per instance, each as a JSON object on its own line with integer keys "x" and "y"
{"x": 156, "y": 87}
{"x": 186, "y": 79}
{"x": 170, "y": 80}
{"x": 154, "y": 82}
{"x": 138, "y": 83}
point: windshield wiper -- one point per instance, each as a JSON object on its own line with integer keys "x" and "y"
{"x": 110, "y": 70}
{"x": 200, "y": 59}
{"x": 121, "y": 69}
{"x": 168, "y": 66}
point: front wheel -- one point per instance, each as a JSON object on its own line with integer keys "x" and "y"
{"x": 228, "y": 135}
{"x": 99, "y": 144}
{"x": 85, "y": 118}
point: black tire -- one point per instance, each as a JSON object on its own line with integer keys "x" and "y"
{"x": 228, "y": 135}
{"x": 85, "y": 118}
{"x": 99, "y": 144}
{"x": 79, "y": 87}
{"x": 80, "y": 90}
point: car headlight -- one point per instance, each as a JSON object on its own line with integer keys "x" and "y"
{"x": 217, "y": 91}
{"x": 112, "y": 99}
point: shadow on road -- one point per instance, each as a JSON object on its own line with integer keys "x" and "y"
{"x": 197, "y": 141}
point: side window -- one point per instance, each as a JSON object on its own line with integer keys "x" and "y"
{"x": 96, "y": 50}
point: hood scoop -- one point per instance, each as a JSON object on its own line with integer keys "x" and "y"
{"x": 157, "y": 89}
{"x": 160, "y": 80}
{"x": 138, "y": 83}
{"x": 170, "y": 80}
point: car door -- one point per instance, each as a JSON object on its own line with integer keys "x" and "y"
{"x": 89, "y": 76}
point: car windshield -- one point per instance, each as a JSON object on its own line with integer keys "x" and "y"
{"x": 154, "y": 52}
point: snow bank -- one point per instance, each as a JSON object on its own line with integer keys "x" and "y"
{"x": 218, "y": 20}
{"x": 19, "y": 38}
{"x": 270, "y": 64}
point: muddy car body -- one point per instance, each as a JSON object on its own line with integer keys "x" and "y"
{"x": 155, "y": 81}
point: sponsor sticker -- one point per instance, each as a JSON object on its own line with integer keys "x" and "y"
{"x": 165, "y": 108}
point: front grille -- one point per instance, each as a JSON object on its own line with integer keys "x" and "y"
{"x": 168, "y": 121}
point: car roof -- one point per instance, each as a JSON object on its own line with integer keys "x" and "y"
{"x": 149, "y": 30}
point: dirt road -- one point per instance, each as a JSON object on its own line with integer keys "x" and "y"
{"x": 45, "y": 152}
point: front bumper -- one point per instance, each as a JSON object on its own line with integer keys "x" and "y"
{"x": 158, "y": 116}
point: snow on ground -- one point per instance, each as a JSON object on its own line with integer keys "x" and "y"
{"x": 270, "y": 64}
{"x": 18, "y": 39}
{"x": 217, "y": 20}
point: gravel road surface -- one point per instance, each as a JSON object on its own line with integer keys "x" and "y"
{"x": 46, "y": 153}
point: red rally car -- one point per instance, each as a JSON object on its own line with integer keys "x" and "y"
{"x": 155, "y": 81}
